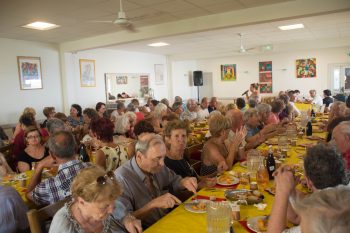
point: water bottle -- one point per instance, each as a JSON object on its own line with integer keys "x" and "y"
{"x": 83, "y": 155}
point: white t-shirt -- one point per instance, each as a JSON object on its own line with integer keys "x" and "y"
{"x": 317, "y": 100}
{"x": 202, "y": 114}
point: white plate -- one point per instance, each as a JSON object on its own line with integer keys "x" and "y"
{"x": 189, "y": 206}
{"x": 252, "y": 224}
{"x": 235, "y": 180}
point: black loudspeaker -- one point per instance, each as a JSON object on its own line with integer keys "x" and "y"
{"x": 198, "y": 78}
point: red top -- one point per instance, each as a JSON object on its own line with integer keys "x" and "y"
{"x": 346, "y": 156}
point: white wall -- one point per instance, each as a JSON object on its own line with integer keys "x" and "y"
{"x": 110, "y": 61}
{"x": 13, "y": 100}
{"x": 247, "y": 71}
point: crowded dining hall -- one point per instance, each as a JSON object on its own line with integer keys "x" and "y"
{"x": 184, "y": 116}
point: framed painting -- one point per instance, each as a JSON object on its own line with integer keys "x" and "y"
{"x": 122, "y": 80}
{"x": 228, "y": 72}
{"x": 87, "y": 73}
{"x": 159, "y": 74}
{"x": 29, "y": 72}
{"x": 265, "y": 66}
{"x": 265, "y": 88}
{"x": 306, "y": 68}
{"x": 265, "y": 77}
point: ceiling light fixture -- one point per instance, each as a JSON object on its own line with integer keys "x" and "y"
{"x": 291, "y": 27}
{"x": 41, "y": 26}
{"x": 158, "y": 44}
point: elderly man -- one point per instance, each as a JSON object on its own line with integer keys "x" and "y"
{"x": 341, "y": 137}
{"x": 213, "y": 104}
{"x": 146, "y": 181}
{"x": 315, "y": 99}
{"x": 190, "y": 112}
{"x": 62, "y": 154}
{"x": 203, "y": 112}
{"x": 324, "y": 168}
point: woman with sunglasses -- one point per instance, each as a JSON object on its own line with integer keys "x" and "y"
{"x": 35, "y": 150}
{"x": 93, "y": 200}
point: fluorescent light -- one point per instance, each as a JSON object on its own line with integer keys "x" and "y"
{"x": 158, "y": 44}
{"x": 41, "y": 26}
{"x": 291, "y": 27}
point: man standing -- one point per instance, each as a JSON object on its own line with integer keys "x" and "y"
{"x": 62, "y": 154}
{"x": 146, "y": 182}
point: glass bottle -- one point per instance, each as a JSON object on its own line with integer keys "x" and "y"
{"x": 270, "y": 163}
{"x": 262, "y": 176}
{"x": 83, "y": 155}
{"x": 309, "y": 129}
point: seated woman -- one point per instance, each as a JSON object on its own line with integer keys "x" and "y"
{"x": 94, "y": 193}
{"x": 75, "y": 118}
{"x": 176, "y": 133}
{"x": 4, "y": 167}
{"x": 141, "y": 128}
{"x": 89, "y": 115}
{"x": 49, "y": 112}
{"x": 101, "y": 109}
{"x": 159, "y": 112}
{"x": 276, "y": 108}
{"x": 35, "y": 150}
{"x": 110, "y": 155}
{"x": 18, "y": 128}
{"x": 216, "y": 157}
{"x": 287, "y": 112}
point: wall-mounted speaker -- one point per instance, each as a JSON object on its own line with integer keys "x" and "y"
{"x": 198, "y": 78}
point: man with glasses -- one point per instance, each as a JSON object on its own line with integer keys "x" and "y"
{"x": 62, "y": 154}
{"x": 146, "y": 182}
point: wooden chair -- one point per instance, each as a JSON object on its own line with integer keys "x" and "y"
{"x": 36, "y": 217}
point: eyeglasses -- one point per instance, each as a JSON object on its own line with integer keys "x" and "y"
{"x": 34, "y": 136}
{"x": 102, "y": 180}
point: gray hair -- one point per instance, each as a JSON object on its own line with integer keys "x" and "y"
{"x": 122, "y": 122}
{"x": 252, "y": 102}
{"x": 249, "y": 113}
{"x": 324, "y": 166}
{"x": 263, "y": 108}
{"x": 147, "y": 142}
{"x": 62, "y": 144}
{"x": 54, "y": 125}
{"x": 130, "y": 107}
{"x": 159, "y": 109}
{"x": 325, "y": 211}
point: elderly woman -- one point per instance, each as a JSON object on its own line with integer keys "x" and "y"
{"x": 35, "y": 150}
{"x": 176, "y": 134}
{"x": 264, "y": 111}
{"x": 287, "y": 112}
{"x": 89, "y": 114}
{"x": 159, "y": 112}
{"x": 191, "y": 112}
{"x": 110, "y": 155}
{"x": 76, "y": 116}
{"x": 276, "y": 108}
{"x": 216, "y": 157}
{"x": 94, "y": 193}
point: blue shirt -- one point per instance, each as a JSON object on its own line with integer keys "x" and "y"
{"x": 251, "y": 131}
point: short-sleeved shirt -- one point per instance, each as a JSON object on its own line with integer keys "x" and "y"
{"x": 74, "y": 123}
{"x": 19, "y": 144}
{"x": 115, "y": 156}
{"x": 57, "y": 188}
{"x": 251, "y": 131}
{"x": 135, "y": 192}
{"x": 63, "y": 221}
{"x": 26, "y": 158}
{"x": 180, "y": 167}
{"x": 327, "y": 101}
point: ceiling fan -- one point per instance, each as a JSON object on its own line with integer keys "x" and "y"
{"x": 242, "y": 49}
{"x": 122, "y": 21}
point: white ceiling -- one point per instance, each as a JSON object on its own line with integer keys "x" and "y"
{"x": 76, "y": 17}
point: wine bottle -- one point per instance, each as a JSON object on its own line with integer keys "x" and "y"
{"x": 309, "y": 129}
{"x": 83, "y": 155}
{"x": 270, "y": 163}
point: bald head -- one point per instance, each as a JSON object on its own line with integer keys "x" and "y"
{"x": 236, "y": 118}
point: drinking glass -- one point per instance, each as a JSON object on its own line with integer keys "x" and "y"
{"x": 253, "y": 162}
{"x": 218, "y": 217}
{"x": 304, "y": 119}
{"x": 283, "y": 145}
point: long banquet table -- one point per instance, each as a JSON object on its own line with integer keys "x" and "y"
{"x": 182, "y": 221}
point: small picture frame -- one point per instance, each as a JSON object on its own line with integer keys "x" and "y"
{"x": 87, "y": 73}
{"x": 29, "y": 72}
{"x": 159, "y": 74}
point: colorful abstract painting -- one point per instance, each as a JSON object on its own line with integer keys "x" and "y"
{"x": 265, "y": 77}
{"x": 306, "y": 68}
{"x": 228, "y": 72}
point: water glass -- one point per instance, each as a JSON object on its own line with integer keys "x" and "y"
{"x": 253, "y": 161}
{"x": 219, "y": 217}
{"x": 283, "y": 145}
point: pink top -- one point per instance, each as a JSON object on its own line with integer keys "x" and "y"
{"x": 273, "y": 118}
{"x": 346, "y": 156}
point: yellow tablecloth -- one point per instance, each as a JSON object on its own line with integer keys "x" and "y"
{"x": 182, "y": 221}
{"x": 302, "y": 106}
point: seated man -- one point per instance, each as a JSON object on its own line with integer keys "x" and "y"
{"x": 62, "y": 154}
{"x": 191, "y": 112}
{"x": 13, "y": 211}
{"x": 324, "y": 168}
{"x": 146, "y": 181}
{"x": 341, "y": 136}
{"x": 315, "y": 99}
